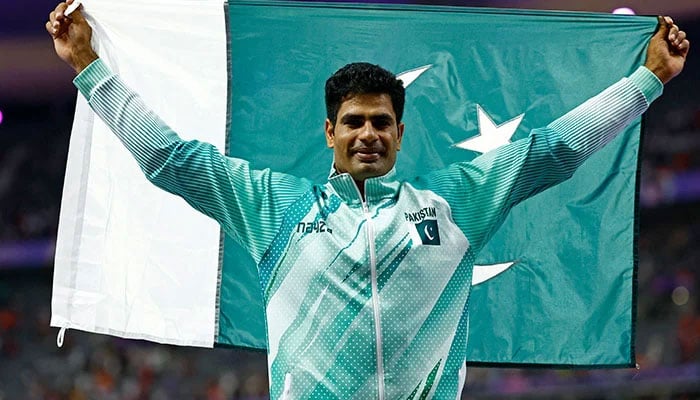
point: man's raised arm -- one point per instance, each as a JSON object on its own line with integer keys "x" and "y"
{"x": 551, "y": 154}
{"x": 248, "y": 204}
{"x": 593, "y": 124}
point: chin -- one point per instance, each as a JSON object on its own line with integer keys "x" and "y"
{"x": 371, "y": 172}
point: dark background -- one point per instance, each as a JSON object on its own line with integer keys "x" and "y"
{"x": 37, "y": 102}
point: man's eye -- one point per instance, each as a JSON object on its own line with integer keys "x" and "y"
{"x": 381, "y": 124}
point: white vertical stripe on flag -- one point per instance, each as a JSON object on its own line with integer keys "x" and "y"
{"x": 132, "y": 260}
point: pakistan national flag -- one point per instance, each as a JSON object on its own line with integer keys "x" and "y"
{"x": 137, "y": 262}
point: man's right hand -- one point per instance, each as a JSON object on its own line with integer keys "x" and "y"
{"x": 71, "y": 37}
{"x": 667, "y": 50}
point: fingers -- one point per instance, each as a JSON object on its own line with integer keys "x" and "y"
{"x": 662, "y": 27}
{"x": 49, "y": 28}
{"x": 679, "y": 42}
{"x": 675, "y": 37}
{"x": 58, "y": 22}
{"x": 60, "y": 11}
{"x": 684, "y": 47}
{"x": 679, "y": 38}
{"x": 673, "y": 33}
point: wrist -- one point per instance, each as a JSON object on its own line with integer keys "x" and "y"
{"x": 82, "y": 59}
{"x": 660, "y": 72}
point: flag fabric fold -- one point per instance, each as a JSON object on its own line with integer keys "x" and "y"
{"x": 556, "y": 284}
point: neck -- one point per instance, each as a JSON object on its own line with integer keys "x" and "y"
{"x": 361, "y": 187}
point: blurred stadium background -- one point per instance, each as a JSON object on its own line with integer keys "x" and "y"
{"x": 36, "y": 109}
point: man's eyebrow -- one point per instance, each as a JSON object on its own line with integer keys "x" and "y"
{"x": 382, "y": 117}
{"x": 347, "y": 118}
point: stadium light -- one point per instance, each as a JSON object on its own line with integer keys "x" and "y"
{"x": 624, "y": 11}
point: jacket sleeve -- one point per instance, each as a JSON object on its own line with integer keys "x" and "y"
{"x": 482, "y": 191}
{"x": 248, "y": 204}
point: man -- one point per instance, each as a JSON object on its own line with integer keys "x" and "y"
{"x": 366, "y": 304}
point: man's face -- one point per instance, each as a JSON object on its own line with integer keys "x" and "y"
{"x": 366, "y": 136}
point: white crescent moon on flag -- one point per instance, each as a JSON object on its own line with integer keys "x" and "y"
{"x": 427, "y": 233}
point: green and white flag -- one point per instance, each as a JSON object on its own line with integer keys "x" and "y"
{"x": 555, "y": 285}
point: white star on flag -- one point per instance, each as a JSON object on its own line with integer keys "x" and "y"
{"x": 407, "y": 77}
{"x": 491, "y": 136}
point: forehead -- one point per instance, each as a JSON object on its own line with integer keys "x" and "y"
{"x": 367, "y": 104}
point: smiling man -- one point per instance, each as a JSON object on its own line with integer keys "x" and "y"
{"x": 365, "y": 278}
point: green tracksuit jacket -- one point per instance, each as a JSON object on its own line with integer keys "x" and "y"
{"x": 365, "y": 298}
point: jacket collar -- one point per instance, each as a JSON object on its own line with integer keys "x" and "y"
{"x": 376, "y": 189}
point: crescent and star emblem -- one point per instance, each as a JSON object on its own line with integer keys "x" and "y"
{"x": 427, "y": 233}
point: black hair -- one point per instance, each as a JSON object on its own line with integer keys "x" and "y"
{"x": 363, "y": 78}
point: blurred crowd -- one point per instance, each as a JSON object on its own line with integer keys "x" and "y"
{"x": 91, "y": 366}
{"x": 671, "y": 150}
{"x": 33, "y": 150}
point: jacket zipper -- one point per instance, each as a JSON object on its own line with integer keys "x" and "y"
{"x": 287, "y": 386}
{"x": 375, "y": 295}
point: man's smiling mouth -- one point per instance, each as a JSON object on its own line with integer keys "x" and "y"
{"x": 368, "y": 155}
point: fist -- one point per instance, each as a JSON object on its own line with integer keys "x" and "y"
{"x": 71, "y": 37}
{"x": 667, "y": 50}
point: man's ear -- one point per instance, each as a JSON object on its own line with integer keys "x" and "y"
{"x": 399, "y": 136}
{"x": 330, "y": 133}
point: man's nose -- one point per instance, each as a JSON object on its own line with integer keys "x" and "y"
{"x": 369, "y": 133}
